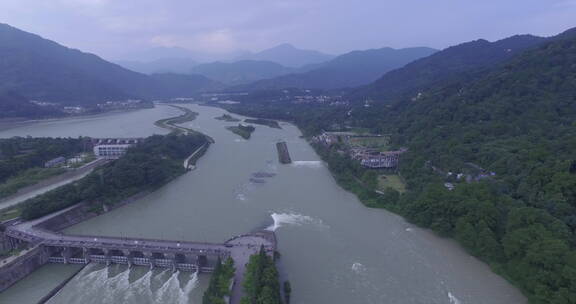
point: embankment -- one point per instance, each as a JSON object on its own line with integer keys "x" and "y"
{"x": 18, "y": 268}
{"x": 283, "y": 154}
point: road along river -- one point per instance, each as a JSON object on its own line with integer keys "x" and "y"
{"x": 334, "y": 250}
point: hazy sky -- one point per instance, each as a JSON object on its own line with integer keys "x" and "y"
{"x": 112, "y": 28}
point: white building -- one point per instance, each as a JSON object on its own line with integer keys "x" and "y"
{"x": 113, "y": 148}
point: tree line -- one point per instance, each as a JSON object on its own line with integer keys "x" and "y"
{"x": 148, "y": 165}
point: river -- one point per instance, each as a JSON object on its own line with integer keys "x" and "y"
{"x": 334, "y": 250}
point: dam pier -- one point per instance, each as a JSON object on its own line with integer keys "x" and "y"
{"x": 51, "y": 246}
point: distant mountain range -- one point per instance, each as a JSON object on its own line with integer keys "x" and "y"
{"x": 289, "y": 56}
{"x": 40, "y": 69}
{"x": 457, "y": 62}
{"x": 346, "y": 71}
{"x": 180, "y": 60}
{"x": 241, "y": 72}
{"x": 165, "y": 65}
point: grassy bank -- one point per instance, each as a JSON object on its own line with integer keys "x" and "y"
{"x": 27, "y": 178}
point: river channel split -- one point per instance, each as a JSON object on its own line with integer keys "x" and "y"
{"x": 334, "y": 250}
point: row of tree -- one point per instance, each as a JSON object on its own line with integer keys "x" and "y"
{"x": 261, "y": 282}
{"x": 220, "y": 281}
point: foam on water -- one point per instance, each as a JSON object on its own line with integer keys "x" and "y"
{"x": 308, "y": 164}
{"x": 118, "y": 289}
{"x": 143, "y": 285}
{"x": 185, "y": 294}
{"x": 358, "y": 268}
{"x": 293, "y": 219}
{"x": 170, "y": 290}
{"x": 453, "y": 299}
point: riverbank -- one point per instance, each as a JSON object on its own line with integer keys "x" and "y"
{"x": 357, "y": 254}
{"x": 362, "y": 182}
{"x": 10, "y": 123}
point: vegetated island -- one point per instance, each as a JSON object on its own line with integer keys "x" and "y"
{"x": 262, "y": 283}
{"x": 264, "y": 122}
{"x": 171, "y": 123}
{"x": 145, "y": 167}
{"x": 242, "y": 130}
{"x": 220, "y": 283}
{"x": 227, "y": 117}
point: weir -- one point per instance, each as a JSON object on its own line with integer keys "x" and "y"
{"x": 55, "y": 247}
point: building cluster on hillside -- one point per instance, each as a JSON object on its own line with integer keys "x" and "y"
{"x": 105, "y": 106}
{"x": 320, "y": 99}
{"x": 63, "y": 161}
{"x": 469, "y": 173}
{"x": 372, "y": 158}
{"x": 368, "y": 157}
{"x": 122, "y": 105}
{"x": 113, "y": 148}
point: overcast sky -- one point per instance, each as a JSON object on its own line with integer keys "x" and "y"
{"x": 113, "y": 28}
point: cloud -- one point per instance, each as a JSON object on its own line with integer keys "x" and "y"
{"x": 113, "y": 27}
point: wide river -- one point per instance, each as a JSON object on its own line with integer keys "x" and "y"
{"x": 334, "y": 250}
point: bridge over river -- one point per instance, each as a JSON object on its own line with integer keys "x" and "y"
{"x": 55, "y": 247}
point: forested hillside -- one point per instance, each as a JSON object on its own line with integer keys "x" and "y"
{"x": 520, "y": 123}
{"x": 515, "y": 127}
{"x": 454, "y": 63}
{"x": 43, "y": 70}
{"x": 345, "y": 71}
{"x": 13, "y": 105}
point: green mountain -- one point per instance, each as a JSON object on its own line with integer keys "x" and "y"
{"x": 490, "y": 162}
{"x": 41, "y": 69}
{"x": 457, "y": 62}
{"x": 241, "y": 72}
{"x": 349, "y": 70}
{"x": 519, "y": 122}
